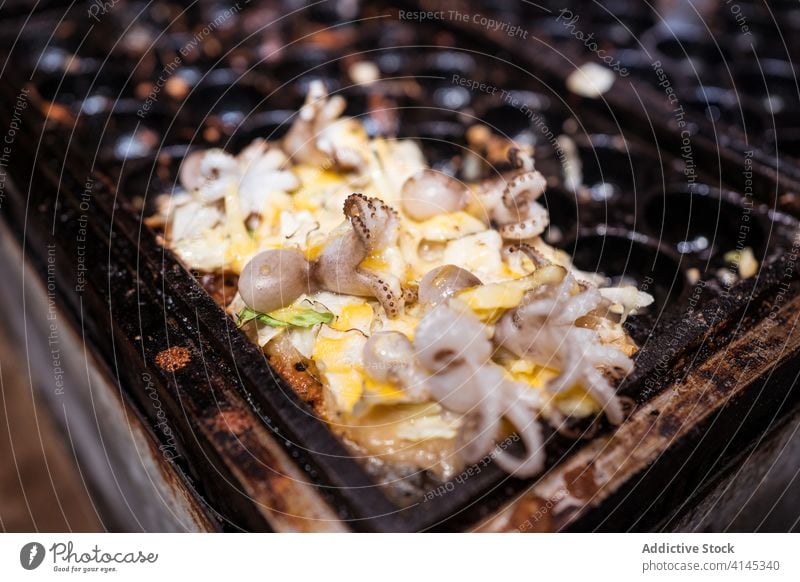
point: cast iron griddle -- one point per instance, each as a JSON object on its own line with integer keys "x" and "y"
{"x": 718, "y": 359}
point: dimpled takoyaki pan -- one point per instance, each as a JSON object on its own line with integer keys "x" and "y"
{"x": 729, "y": 65}
{"x": 114, "y": 96}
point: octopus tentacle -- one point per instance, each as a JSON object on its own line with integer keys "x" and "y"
{"x": 385, "y": 289}
{"x": 538, "y": 259}
{"x": 374, "y": 225}
{"x": 374, "y": 221}
{"x": 524, "y": 188}
{"x": 530, "y": 431}
{"x": 480, "y": 430}
{"x": 520, "y": 160}
{"x": 534, "y": 223}
{"x": 599, "y": 387}
{"x": 543, "y": 329}
{"x": 389, "y": 357}
{"x": 456, "y": 353}
{"x": 335, "y": 266}
{"x": 515, "y": 210}
{"x": 319, "y": 135}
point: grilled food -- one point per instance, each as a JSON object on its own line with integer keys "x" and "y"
{"x": 424, "y": 318}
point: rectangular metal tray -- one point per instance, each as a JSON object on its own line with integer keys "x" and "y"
{"x": 717, "y": 365}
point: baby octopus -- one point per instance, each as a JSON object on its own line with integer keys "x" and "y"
{"x": 374, "y": 227}
{"x": 320, "y": 136}
{"x": 276, "y": 278}
{"x": 450, "y": 362}
{"x": 543, "y": 329}
{"x": 514, "y": 208}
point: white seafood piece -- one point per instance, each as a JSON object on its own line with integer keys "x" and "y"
{"x": 318, "y": 135}
{"x": 455, "y": 349}
{"x": 261, "y": 175}
{"x": 374, "y": 227}
{"x": 543, "y": 330}
{"x": 193, "y": 218}
{"x": 626, "y": 300}
{"x": 513, "y": 205}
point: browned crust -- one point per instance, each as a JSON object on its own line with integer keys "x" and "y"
{"x": 298, "y": 371}
{"x": 221, "y": 286}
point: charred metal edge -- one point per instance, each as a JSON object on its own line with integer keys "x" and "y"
{"x": 755, "y": 461}
{"x": 218, "y": 430}
{"x": 89, "y": 388}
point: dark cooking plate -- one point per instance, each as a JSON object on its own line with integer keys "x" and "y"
{"x": 125, "y": 103}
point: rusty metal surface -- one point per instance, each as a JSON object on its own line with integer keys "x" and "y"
{"x": 133, "y": 484}
{"x": 219, "y": 436}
